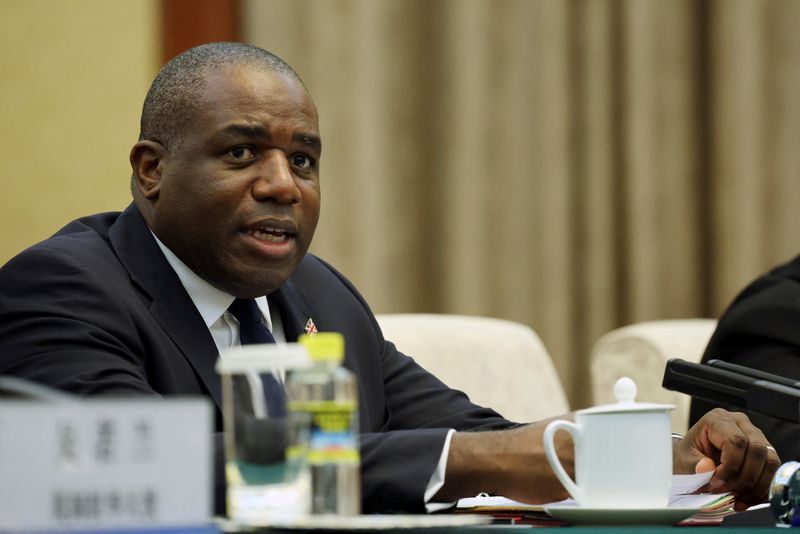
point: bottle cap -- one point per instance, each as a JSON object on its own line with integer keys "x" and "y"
{"x": 324, "y": 346}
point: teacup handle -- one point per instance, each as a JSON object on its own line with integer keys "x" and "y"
{"x": 555, "y": 464}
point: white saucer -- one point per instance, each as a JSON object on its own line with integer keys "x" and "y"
{"x": 368, "y": 522}
{"x": 572, "y": 513}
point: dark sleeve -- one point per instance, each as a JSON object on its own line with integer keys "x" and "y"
{"x": 61, "y": 325}
{"x": 761, "y": 330}
{"x": 398, "y": 462}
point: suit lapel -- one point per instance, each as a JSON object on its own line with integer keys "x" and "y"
{"x": 294, "y": 310}
{"x": 171, "y": 306}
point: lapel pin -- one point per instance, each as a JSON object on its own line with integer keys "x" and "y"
{"x": 311, "y": 328}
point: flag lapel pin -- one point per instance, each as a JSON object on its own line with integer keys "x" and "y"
{"x": 311, "y": 328}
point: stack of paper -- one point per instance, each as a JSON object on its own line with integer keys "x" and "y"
{"x": 713, "y": 511}
{"x": 713, "y": 507}
{"x": 507, "y": 511}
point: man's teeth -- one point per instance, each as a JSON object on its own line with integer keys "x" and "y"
{"x": 266, "y": 234}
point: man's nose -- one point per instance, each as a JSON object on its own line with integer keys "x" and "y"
{"x": 275, "y": 179}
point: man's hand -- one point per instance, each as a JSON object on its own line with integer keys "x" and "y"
{"x": 741, "y": 457}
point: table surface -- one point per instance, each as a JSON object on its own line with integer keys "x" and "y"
{"x": 496, "y": 529}
{"x": 739, "y": 526}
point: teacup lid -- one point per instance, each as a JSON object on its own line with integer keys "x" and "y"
{"x": 625, "y": 393}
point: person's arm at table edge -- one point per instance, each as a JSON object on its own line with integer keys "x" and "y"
{"x": 512, "y": 463}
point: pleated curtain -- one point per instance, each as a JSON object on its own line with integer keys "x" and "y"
{"x": 572, "y": 165}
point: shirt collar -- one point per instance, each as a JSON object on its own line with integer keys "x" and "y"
{"x": 211, "y": 302}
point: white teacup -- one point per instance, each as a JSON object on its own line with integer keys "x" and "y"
{"x": 623, "y": 453}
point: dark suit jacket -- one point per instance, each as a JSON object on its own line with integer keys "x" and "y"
{"x": 97, "y": 309}
{"x": 761, "y": 330}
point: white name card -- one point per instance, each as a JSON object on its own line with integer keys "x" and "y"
{"x": 105, "y": 463}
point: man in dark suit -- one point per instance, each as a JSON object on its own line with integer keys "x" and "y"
{"x": 761, "y": 330}
{"x": 226, "y": 200}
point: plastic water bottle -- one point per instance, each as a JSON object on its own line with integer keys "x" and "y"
{"x": 328, "y": 392}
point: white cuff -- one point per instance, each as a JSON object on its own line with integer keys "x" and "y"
{"x": 437, "y": 479}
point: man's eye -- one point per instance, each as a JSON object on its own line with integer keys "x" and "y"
{"x": 302, "y": 161}
{"x": 241, "y": 153}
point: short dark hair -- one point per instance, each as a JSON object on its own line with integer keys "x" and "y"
{"x": 172, "y": 99}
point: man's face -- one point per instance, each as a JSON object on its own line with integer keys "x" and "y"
{"x": 239, "y": 196}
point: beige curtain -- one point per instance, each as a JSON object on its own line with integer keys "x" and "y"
{"x": 572, "y": 165}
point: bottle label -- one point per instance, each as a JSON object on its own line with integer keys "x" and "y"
{"x": 333, "y": 439}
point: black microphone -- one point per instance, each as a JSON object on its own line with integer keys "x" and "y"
{"x": 735, "y": 387}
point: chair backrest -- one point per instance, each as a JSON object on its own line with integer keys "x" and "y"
{"x": 499, "y": 364}
{"x": 641, "y": 351}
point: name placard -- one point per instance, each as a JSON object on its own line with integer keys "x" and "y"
{"x": 105, "y": 463}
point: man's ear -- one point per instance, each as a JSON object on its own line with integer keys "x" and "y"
{"x": 147, "y": 161}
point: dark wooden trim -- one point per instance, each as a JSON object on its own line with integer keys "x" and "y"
{"x": 187, "y": 23}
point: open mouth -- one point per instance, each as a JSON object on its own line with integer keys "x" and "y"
{"x": 273, "y": 235}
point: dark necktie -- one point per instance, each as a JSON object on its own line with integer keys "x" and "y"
{"x": 253, "y": 331}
